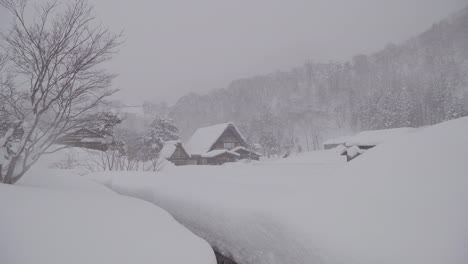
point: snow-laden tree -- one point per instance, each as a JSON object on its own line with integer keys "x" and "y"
{"x": 388, "y": 108}
{"x": 54, "y": 67}
{"x": 267, "y": 130}
{"x": 450, "y": 105}
{"x": 157, "y": 133}
{"x": 103, "y": 123}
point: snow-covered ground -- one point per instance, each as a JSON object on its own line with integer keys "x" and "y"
{"x": 402, "y": 202}
{"x": 65, "y": 180}
{"x": 59, "y": 217}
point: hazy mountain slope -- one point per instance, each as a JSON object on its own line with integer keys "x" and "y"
{"x": 422, "y": 81}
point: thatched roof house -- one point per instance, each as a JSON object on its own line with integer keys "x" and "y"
{"x": 83, "y": 138}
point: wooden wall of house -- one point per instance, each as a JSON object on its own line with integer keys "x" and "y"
{"x": 230, "y": 136}
{"x": 330, "y": 146}
{"x": 180, "y": 153}
{"x": 221, "y": 159}
{"x": 180, "y": 157}
{"x": 197, "y": 160}
{"x": 244, "y": 154}
{"x": 74, "y": 140}
{"x": 366, "y": 147}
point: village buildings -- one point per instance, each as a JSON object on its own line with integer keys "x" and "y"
{"x": 84, "y": 138}
{"x": 353, "y": 146}
{"x": 212, "y": 145}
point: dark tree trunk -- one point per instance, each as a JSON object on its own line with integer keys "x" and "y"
{"x": 11, "y": 169}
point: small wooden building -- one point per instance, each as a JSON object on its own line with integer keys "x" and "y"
{"x": 175, "y": 152}
{"x": 246, "y": 153}
{"x": 213, "y": 145}
{"x": 218, "y": 144}
{"x": 83, "y": 138}
{"x": 335, "y": 142}
{"x": 354, "y": 146}
{"x": 218, "y": 157}
{"x": 368, "y": 139}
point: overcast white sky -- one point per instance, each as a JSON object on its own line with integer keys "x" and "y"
{"x": 178, "y": 46}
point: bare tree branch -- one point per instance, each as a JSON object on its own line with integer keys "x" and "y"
{"x": 58, "y": 59}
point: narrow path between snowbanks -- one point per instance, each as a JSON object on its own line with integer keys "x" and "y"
{"x": 237, "y": 208}
{"x": 403, "y": 202}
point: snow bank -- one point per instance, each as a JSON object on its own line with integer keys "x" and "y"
{"x": 232, "y": 206}
{"x": 375, "y": 137}
{"x": 68, "y": 180}
{"x": 403, "y": 202}
{"x": 81, "y": 160}
{"x": 354, "y": 151}
{"x": 89, "y": 225}
{"x": 324, "y": 157}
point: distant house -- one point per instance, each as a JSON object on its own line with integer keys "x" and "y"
{"x": 213, "y": 145}
{"x": 218, "y": 144}
{"x": 83, "y": 138}
{"x": 335, "y": 142}
{"x": 353, "y": 146}
{"x": 246, "y": 153}
{"x": 369, "y": 139}
{"x": 175, "y": 152}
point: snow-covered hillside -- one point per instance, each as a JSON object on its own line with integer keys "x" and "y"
{"x": 401, "y": 202}
{"x": 69, "y": 219}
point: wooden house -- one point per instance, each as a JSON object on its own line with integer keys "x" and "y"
{"x": 368, "y": 139}
{"x": 335, "y": 142}
{"x": 217, "y": 157}
{"x": 246, "y": 153}
{"x": 175, "y": 152}
{"x": 83, "y": 138}
{"x": 354, "y": 146}
{"x": 213, "y": 145}
{"x": 218, "y": 144}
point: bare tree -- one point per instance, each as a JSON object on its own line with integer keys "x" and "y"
{"x": 56, "y": 59}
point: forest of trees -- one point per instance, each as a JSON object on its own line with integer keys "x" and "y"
{"x": 420, "y": 82}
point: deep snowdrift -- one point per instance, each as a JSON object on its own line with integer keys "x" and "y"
{"x": 40, "y": 225}
{"x": 66, "y": 180}
{"x": 402, "y": 202}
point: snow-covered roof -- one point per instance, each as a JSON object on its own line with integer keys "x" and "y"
{"x": 169, "y": 147}
{"x": 218, "y": 152}
{"x": 93, "y": 140}
{"x": 354, "y": 151}
{"x": 375, "y": 137}
{"x": 340, "y": 149}
{"x": 243, "y": 148}
{"x": 83, "y": 130}
{"x": 338, "y": 140}
{"x": 204, "y": 138}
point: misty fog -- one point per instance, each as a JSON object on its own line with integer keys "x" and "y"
{"x": 176, "y": 47}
